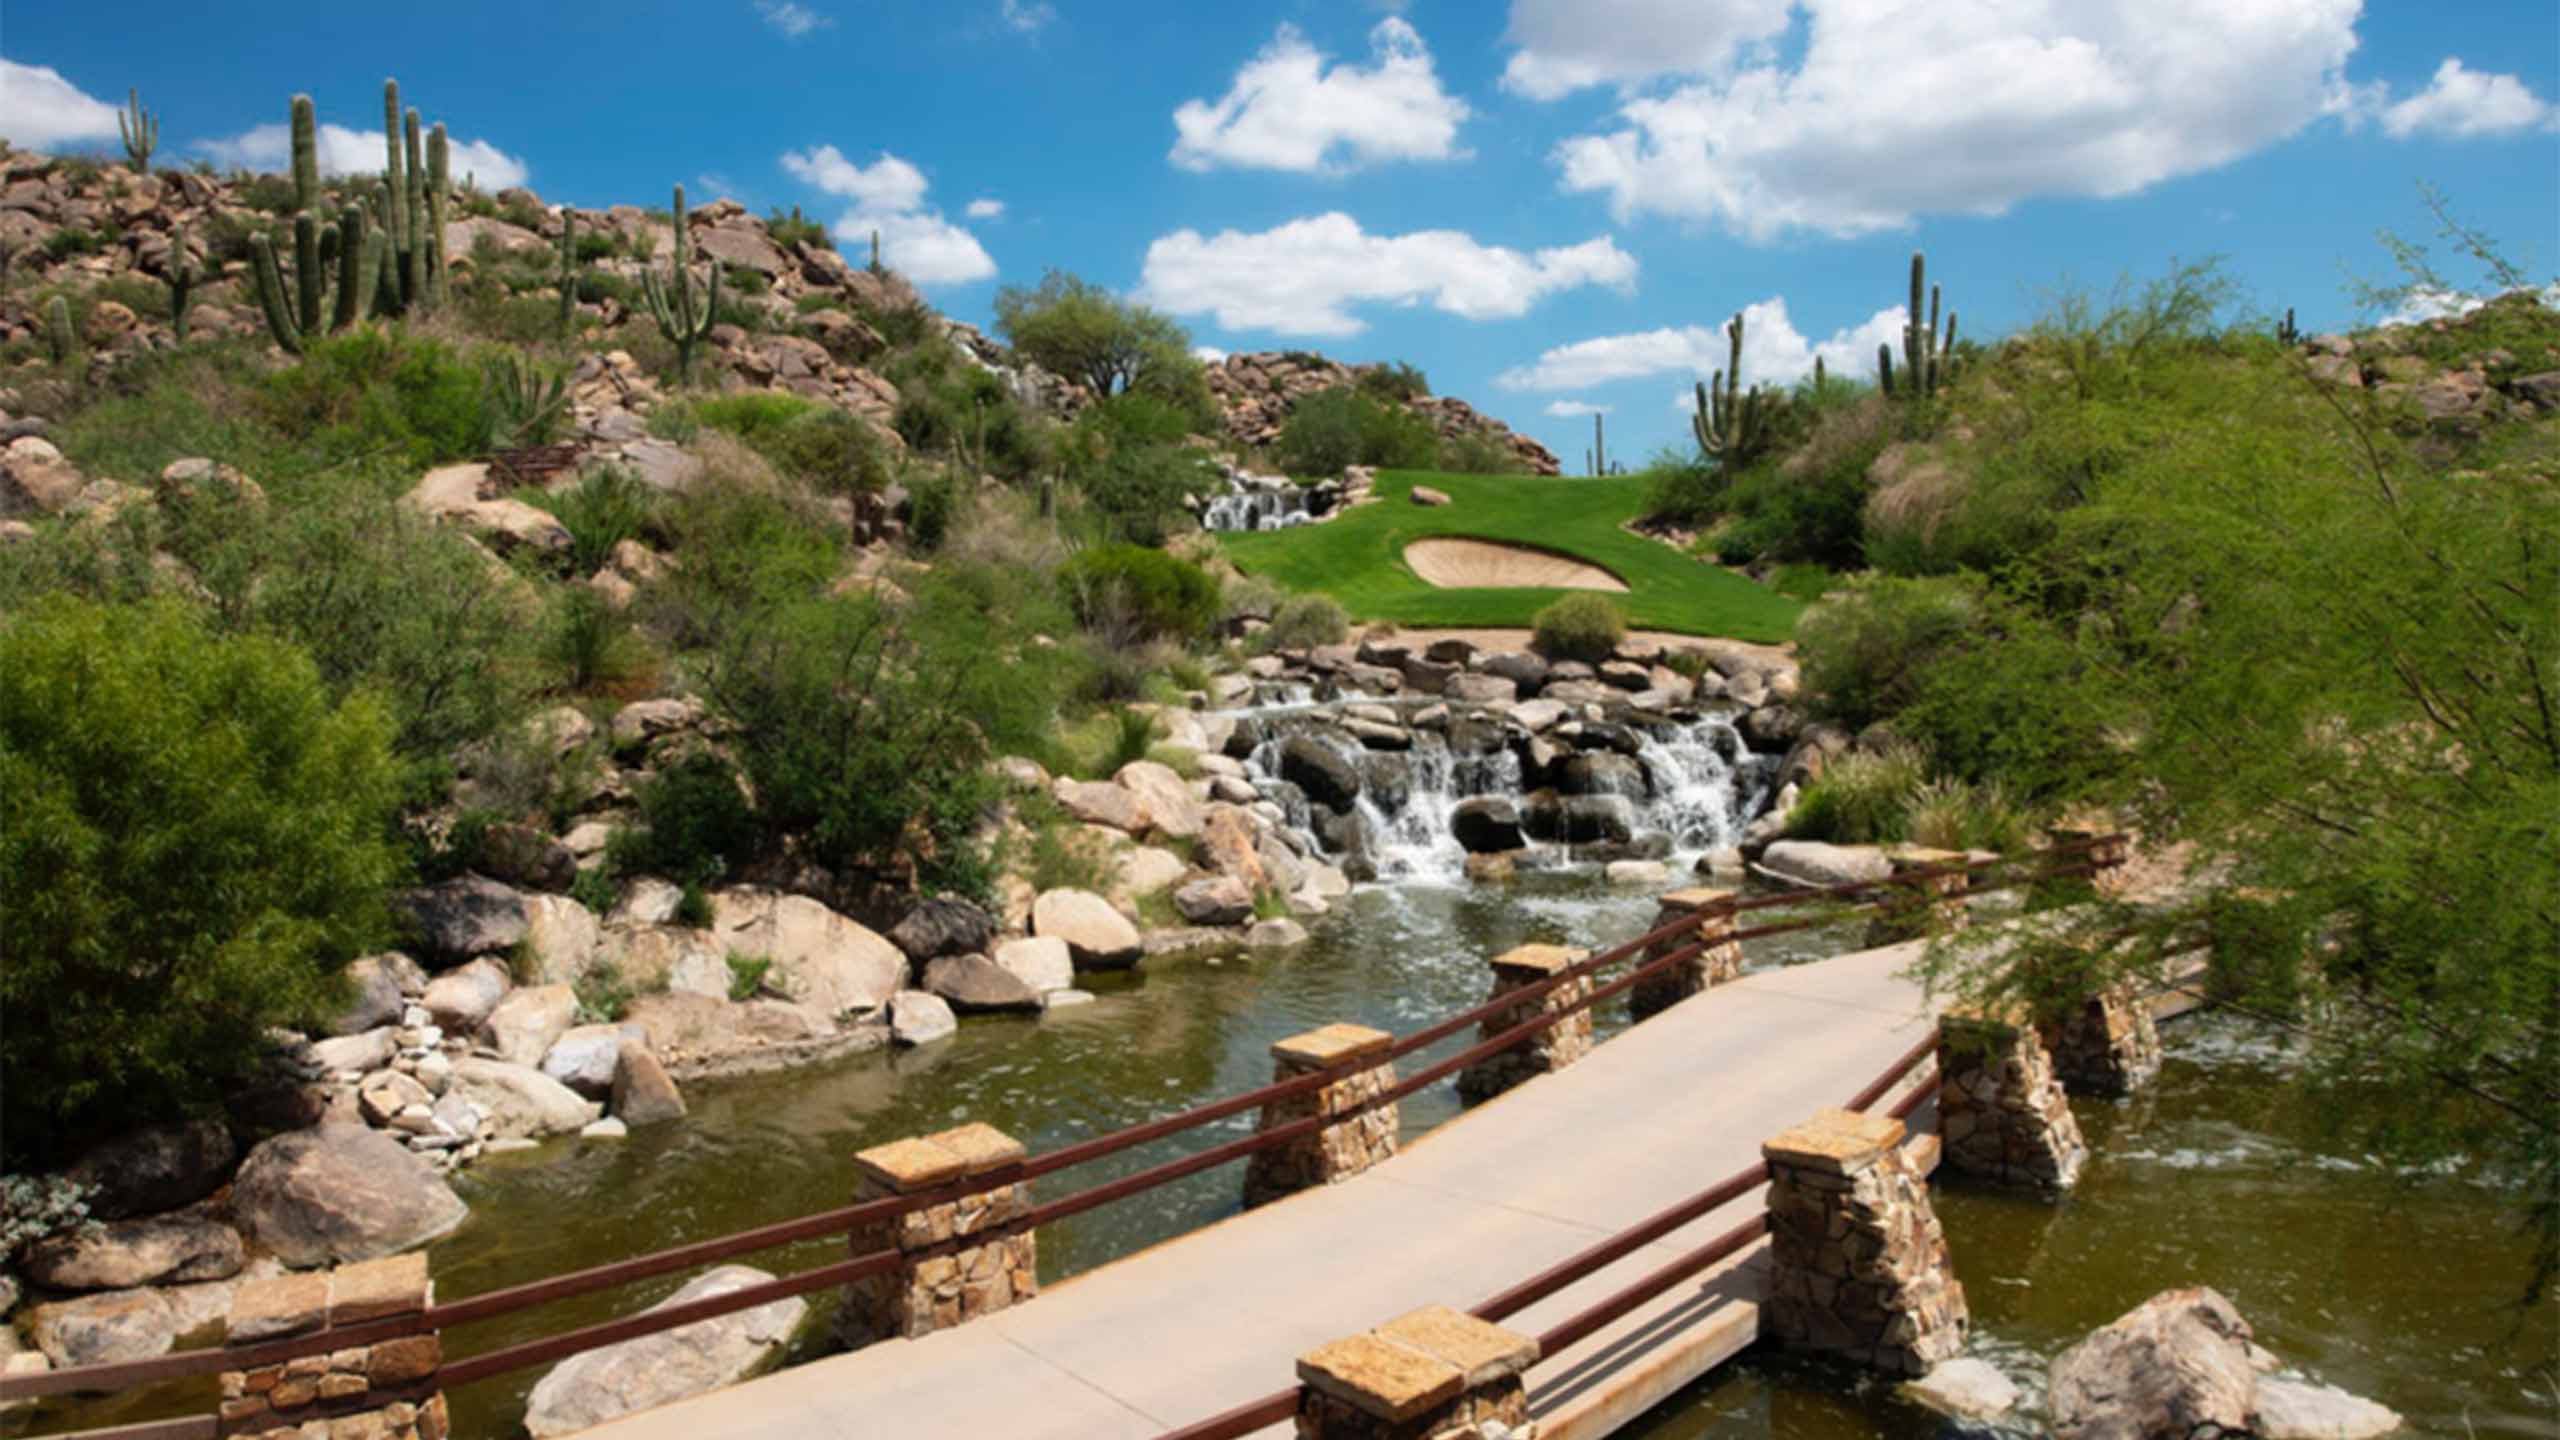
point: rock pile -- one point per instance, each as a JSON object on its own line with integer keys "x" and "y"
{"x": 1256, "y": 392}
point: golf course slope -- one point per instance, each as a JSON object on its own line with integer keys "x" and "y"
{"x": 1364, "y": 558}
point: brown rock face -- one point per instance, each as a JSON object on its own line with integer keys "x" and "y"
{"x": 2176, "y": 1365}
{"x": 1256, "y": 392}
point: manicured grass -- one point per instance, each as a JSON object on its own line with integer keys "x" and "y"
{"x": 1358, "y": 558}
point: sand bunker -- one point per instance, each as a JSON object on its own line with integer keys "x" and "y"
{"x": 1454, "y": 564}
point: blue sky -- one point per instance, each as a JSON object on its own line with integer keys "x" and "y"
{"x": 1548, "y": 205}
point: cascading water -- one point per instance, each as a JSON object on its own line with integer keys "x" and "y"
{"x": 1266, "y": 502}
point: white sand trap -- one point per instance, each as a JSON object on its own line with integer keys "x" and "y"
{"x": 1454, "y": 564}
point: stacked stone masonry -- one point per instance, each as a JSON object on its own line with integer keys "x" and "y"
{"x": 2107, "y": 1048}
{"x": 1720, "y": 961}
{"x": 1551, "y": 1049}
{"x": 1335, "y": 1152}
{"x": 2002, "y": 1113}
{"x": 942, "y": 1283}
{"x": 1432, "y": 1374}
{"x": 1858, "y": 1262}
{"x": 383, "y": 1391}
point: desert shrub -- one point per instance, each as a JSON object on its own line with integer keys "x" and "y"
{"x": 1166, "y": 597}
{"x": 1340, "y": 427}
{"x": 828, "y": 450}
{"x": 696, "y": 825}
{"x": 1394, "y": 380}
{"x": 746, "y": 975}
{"x": 1480, "y": 454}
{"x": 1304, "y": 621}
{"x": 746, "y": 550}
{"x": 1580, "y": 627}
{"x": 751, "y": 415}
{"x": 1682, "y": 487}
{"x": 1865, "y": 654}
{"x": 1950, "y": 814}
{"x": 39, "y": 1207}
{"x": 1136, "y": 493}
{"x": 196, "y": 838}
{"x": 379, "y": 389}
{"x": 607, "y": 506}
{"x": 1251, "y": 598}
{"x": 1863, "y": 797}
{"x": 604, "y": 997}
{"x": 594, "y": 648}
{"x": 931, "y": 503}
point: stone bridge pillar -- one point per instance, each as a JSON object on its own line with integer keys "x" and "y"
{"x": 1859, "y": 1264}
{"x": 2002, "y": 1113}
{"x": 940, "y": 1284}
{"x": 1719, "y": 962}
{"x": 2108, "y": 1047}
{"x": 1553, "y": 1048}
{"x": 1334, "y": 1152}
{"x": 386, "y": 1390}
{"x": 1434, "y": 1374}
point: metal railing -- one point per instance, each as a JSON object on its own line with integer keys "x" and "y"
{"x": 1901, "y": 895}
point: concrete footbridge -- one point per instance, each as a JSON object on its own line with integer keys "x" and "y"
{"x": 1606, "y": 1223}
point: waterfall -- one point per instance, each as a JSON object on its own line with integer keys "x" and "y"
{"x": 1266, "y": 502}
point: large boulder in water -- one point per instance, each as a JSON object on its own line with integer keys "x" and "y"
{"x": 977, "y": 982}
{"x": 943, "y": 925}
{"x": 167, "y": 1250}
{"x": 2176, "y": 1365}
{"x": 1589, "y": 818}
{"x": 1486, "y": 824}
{"x": 587, "y": 1390}
{"x": 160, "y": 1167}
{"x": 821, "y": 960}
{"x": 341, "y": 1193}
{"x": 518, "y": 1100}
{"x": 1329, "y": 777}
{"x": 1099, "y": 937}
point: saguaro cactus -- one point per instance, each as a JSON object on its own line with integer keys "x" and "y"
{"x": 306, "y": 153}
{"x": 568, "y": 270}
{"x": 140, "y": 130}
{"x": 1732, "y": 423}
{"x": 182, "y": 282}
{"x": 1926, "y": 353}
{"x": 294, "y": 317}
{"x": 1599, "y": 446}
{"x": 59, "y": 336}
{"x": 416, "y": 174}
{"x": 683, "y": 313}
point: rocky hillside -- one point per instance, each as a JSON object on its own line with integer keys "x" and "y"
{"x": 1256, "y": 392}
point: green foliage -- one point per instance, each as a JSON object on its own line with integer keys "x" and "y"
{"x": 1303, "y": 622}
{"x": 828, "y": 450}
{"x": 607, "y": 506}
{"x": 1863, "y": 797}
{"x": 196, "y": 836}
{"x": 931, "y": 501}
{"x": 1394, "y": 381}
{"x": 527, "y": 400}
{"x": 797, "y": 229}
{"x": 1336, "y": 428}
{"x": 72, "y": 240}
{"x": 746, "y": 551}
{"x": 1866, "y": 655}
{"x": 1162, "y": 596}
{"x": 593, "y": 648}
{"x": 1137, "y": 492}
{"x": 1683, "y": 488}
{"x": 375, "y": 391}
{"x": 604, "y": 997}
{"x": 693, "y": 907}
{"x": 696, "y": 825}
{"x": 596, "y": 889}
{"x": 1949, "y": 814}
{"x": 746, "y": 975}
{"x": 1479, "y": 453}
{"x": 1581, "y": 626}
{"x": 1086, "y": 333}
{"x": 60, "y": 339}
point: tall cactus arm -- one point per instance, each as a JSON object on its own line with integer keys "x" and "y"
{"x": 272, "y": 297}
{"x": 413, "y": 274}
{"x": 140, "y": 131}
{"x": 306, "y": 154}
{"x": 59, "y": 334}
{"x": 309, "y": 276}
{"x": 568, "y": 270}
{"x": 1884, "y": 368}
{"x": 182, "y": 282}
{"x": 394, "y": 178}
{"x": 439, "y": 181}
{"x": 355, "y": 269}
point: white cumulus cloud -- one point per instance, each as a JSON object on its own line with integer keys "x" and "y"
{"x": 985, "y": 208}
{"x": 1208, "y": 354}
{"x": 1576, "y": 409}
{"x": 358, "y": 152}
{"x": 2462, "y": 104}
{"x": 1895, "y": 110}
{"x": 888, "y": 197}
{"x": 792, "y": 19}
{"x": 1567, "y": 45}
{"x": 1302, "y": 278}
{"x": 1773, "y": 352}
{"x": 39, "y": 109}
{"x": 1289, "y": 110}
{"x": 1027, "y": 15}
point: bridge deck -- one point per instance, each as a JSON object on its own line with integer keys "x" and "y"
{"x": 1193, "y": 1327}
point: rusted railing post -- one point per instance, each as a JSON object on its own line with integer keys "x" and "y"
{"x": 936, "y": 1292}
{"x": 1434, "y": 1372}
{"x": 2103, "y": 845}
{"x": 2001, "y": 1112}
{"x": 1719, "y": 962}
{"x": 1553, "y": 1048}
{"x": 387, "y": 1389}
{"x": 1335, "y": 1152}
{"x": 1858, "y": 1263}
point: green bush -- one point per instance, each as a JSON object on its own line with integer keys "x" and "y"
{"x": 1480, "y": 454}
{"x": 1683, "y": 488}
{"x": 1583, "y": 627}
{"x": 746, "y": 975}
{"x": 604, "y": 997}
{"x": 828, "y": 450}
{"x": 1332, "y": 429}
{"x": 375, "y": 389}
{"x": 930, "y": 503}
{"x": 746, "y": 551}
{"x": 696, "y": 827}
{"x": 1161, "y": 596}
{"x": 1863, "y": 797}
{"x": 1136, "y": 493}
{"x": 1394, "y": 380}
{"x": 196, "y": 839}
{"x": 1866, "y": 654}
{"x": 607, "y": 506}
{"x": 1305, "y": 621}
{"x": 594, "y": 648}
